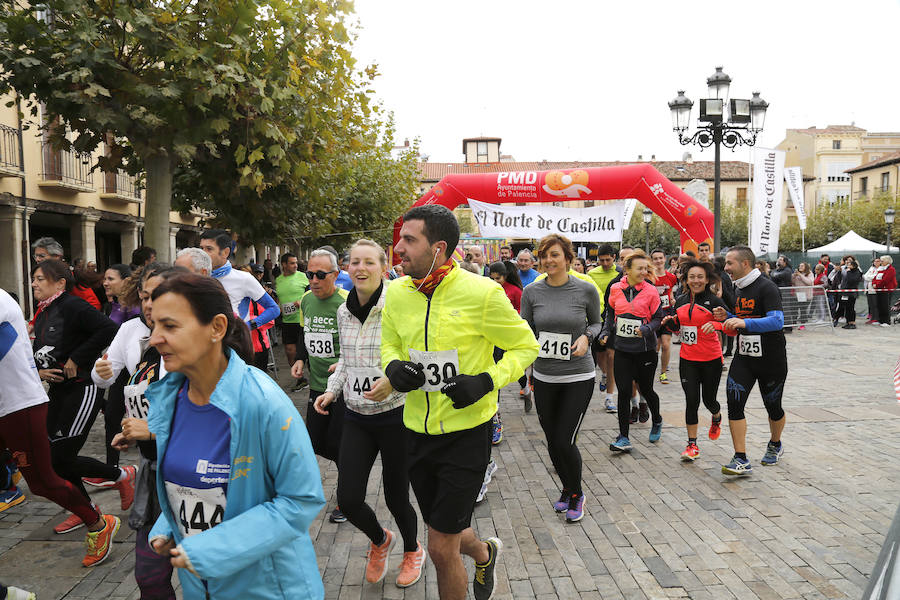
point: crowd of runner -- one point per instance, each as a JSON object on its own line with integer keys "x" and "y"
{"x": 402, "y": 362}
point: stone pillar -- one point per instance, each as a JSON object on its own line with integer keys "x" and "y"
{"x": 129, "y": 238}
{"x": 84, "y": 241}
{"x": 173, "y": 231}
{"x": 15, "y": 247}
{"x": 260, "y": 252}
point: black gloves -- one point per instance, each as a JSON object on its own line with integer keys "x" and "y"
{"x": 465, "y": 390}
{"x": 405, "y": 376}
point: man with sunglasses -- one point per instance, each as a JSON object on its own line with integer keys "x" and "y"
{"x": 242, "y": 287}
{"x": 319, "y": 347}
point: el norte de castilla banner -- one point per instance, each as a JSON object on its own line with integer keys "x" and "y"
{"x": 768, "y": 192}
{"x": 596, "y": 224}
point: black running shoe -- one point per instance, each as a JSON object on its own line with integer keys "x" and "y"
{"x": 484, "y": 582}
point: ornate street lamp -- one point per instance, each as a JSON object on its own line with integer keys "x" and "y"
{"x": 889, "y": 221}
{"x": 723, "y": 121}
{"x": 647, "y": 217}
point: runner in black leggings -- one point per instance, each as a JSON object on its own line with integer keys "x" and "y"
{"x": 564, "y": 313}
{"x": 700, "y": 363}
{"x": 633, "y": 317}
{"x": 761, "y": 356}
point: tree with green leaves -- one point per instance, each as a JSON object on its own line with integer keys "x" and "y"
{"x": 252, "y": 93}
{"x": 865, "y": 217}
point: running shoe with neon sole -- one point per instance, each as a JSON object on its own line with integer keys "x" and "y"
{"x": 737, "y": 466}
{"x": 715, "y": 429}
{"x": 655, "y": 432}
{"x": 126, "y": 487}
{"x": 663, "y": 378}
{"x": 773, "y": 453}
{"x": 497, "y": 434}
{"x": 14, "y": 593}
{"x": 562, "y": 505}
{"x": 484, "y": 582}
{"x": 611, "y": 405}
{"x": 691, "y": 453}
{"x": 99, "y": 543}
{"x": 622, "y": 444}
{"x": 576, "y": 509}
{"x": 11, "y": 497}
{"x": 99, "y": 482}
{"x": 377, "y": 563}
{"x": 411, "y": 567}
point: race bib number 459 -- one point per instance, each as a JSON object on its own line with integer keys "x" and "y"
{"x": 689, "y": 335}
{"x": 439, "y": 366}
{"x": 196, "y": 510}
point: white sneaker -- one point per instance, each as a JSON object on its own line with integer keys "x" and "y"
{"x": 489, "y": 472}
{"x": 885, "y": 324}
{"x": 14, "y": 593}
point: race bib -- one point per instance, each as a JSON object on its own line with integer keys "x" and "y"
{"x": 844, "y": 298}
{"x": 555, "y": 345}
{"x": 689, "y": 335}
{"x": 664, "y": 301}
{"x": 195, "y": 509}
{"x": 750, "y": 345}
{"x": 320, "y": 345}
{"x": 628, "y": 328}
{"x": 439, "y": 367}
{"x": 136, "y": 405}
{"x": 360, "y": 380}
{"x": 801, "y": 296}
{"x": 289, "y": 309}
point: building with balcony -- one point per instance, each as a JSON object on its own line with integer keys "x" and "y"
{"x": 44, "y": 191}
{"x": 878, "y": 177}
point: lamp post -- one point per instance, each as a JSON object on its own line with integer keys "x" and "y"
{"x": 723, "y": 121}
{"x": 647, "y": 217}
{"x": 889, "y": 221}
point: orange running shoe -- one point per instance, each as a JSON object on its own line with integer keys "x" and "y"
{"x": 126, "y": 487}
{"x": 715, "y": 430}
{"x": 99, "y": 543}
{"x": 411, "y": 567}
{"x": 99, "y": 482}
{"x": 691, "y": 452}
{"x": 377, "y": 565}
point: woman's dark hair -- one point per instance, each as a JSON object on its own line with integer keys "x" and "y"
{"x": 123, "y": 270}
{"x": 207, "y": 298}
{"x": 708, "y": 268}
{"x": 508, "y": 270}
{"x": 54, "y": 270}
{"x": 583, "y": 262}
{"x": 87, "y": 279}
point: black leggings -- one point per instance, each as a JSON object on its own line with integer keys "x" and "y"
{"x": 561, "y": 408}
{"x": 639, "y": 368}
{"x": 848, "y": 308}
{"x": 696, "y": 376}
{"x": 744, "y": 373}
{"x": 360, "y": 444}
{"x": 113, "y": 413}
{"x": 325, "y": 430}
{"x": 883, "y": 302}
{"x": 70, "y": 415}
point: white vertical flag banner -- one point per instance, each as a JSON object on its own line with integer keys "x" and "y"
{"x": 768, "y": 190}
{"x": 793, "y": 177}
{"x": 629, "y": 210}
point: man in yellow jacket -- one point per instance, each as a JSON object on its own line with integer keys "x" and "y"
{"x": 439, "y": 328}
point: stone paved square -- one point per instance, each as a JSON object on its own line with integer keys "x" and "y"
{"x": 809, "y": 527}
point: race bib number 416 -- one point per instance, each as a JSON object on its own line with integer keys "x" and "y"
{"x": 439, "y": 366}
{"x": 555, "y": 345}
{"x": 196, "y": 510}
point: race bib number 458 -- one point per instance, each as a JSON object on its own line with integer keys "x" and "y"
{"x": 439, "y": 366}
{"x": 628, "y": 328}
{"x": 196, "y": 510}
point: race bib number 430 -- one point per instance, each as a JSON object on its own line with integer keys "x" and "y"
{"x": 555, "y": 345}
{"x": 439, "y": 366}
{"x": 628, "y": 328}
{"x": 750, "y": 345}
{"x": 196, "y": 510}
{"x": 320, "y": 345}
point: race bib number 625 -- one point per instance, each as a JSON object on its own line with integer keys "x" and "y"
{"x": 439, "y": 366}
{"x": 750, "y": 345}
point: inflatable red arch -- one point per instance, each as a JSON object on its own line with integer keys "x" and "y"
{"x": 693, "y": 221}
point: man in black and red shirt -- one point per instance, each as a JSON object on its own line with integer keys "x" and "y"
{"x": 664, "y": 283}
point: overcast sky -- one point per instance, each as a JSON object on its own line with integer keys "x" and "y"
{"x": 590, "y": 80}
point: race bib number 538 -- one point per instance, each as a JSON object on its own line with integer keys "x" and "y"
{"x": 439, "y": 366}
{"x": 196, "y": 510}
{"x": 320, "y": 345}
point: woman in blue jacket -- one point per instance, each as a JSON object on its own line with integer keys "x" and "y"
{"x": 237, "y": 479}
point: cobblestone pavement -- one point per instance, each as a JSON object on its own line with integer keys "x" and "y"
{"x": 810, "y": 527}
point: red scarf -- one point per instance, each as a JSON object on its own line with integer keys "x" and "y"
{"x": 431, "y": 281}
{"x": 44, "y": 304}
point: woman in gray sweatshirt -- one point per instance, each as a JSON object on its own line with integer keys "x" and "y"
{"x": 564, "y": 313}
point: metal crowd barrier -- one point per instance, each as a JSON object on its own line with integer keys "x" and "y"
{"x": 805, "y": 306}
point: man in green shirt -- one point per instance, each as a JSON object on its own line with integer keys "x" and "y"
{"x": 290, "y": 287}
{"x": 320, "y": 348}
{"x": 603, "y": 275}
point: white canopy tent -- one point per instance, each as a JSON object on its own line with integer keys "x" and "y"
{"x": 850, "y": 242}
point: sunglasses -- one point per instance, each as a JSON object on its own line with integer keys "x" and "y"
{"x": 319, "y": 274}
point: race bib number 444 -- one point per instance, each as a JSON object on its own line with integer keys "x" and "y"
{"x": 555, "y": 345}
{"x": 439, "y": 366}
{"x": 196, "y": 510}
{"x": 320, "y": 345}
